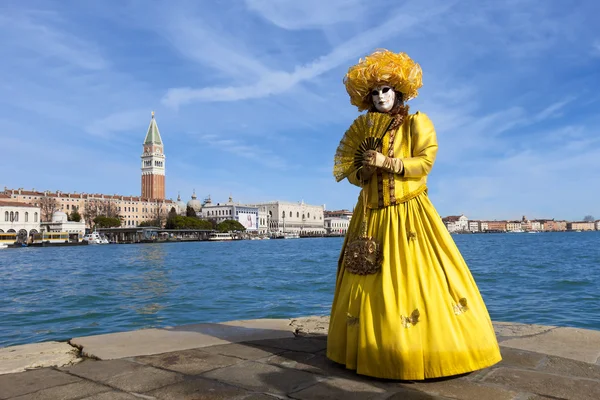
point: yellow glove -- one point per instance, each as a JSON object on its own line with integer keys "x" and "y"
{"x": 365, "y": 173}
{"x": 373, "y": 158}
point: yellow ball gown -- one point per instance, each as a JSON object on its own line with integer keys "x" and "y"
{"x": 421, "y": 315}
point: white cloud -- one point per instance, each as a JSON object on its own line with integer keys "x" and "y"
{"x": 238, "y": 148}
{"x": 37, "y": 33}
{"x": 273, "y": 82}
{"x": 307, "y": 14}
{"x": 123, "y": 121}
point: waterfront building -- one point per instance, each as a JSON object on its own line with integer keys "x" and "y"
{"x": 561, "y": 226}
{"x": 336, "y": 226}
{"x": 483, "y": 226}
{"x": 247, "y": 215}
{"x": 514, "y": 226}
{"x": 456, "y": 223}
{"x": 153, "y": 164}
{"x": 20, "y": 218}
{"x": 550, "y": 225}
{"x": 61, "y": 223}
{"x": 581, "y": 226}
{"x": 536, "y": 225}
{"x": 132, "y": 210}
{"x": 598, "y": 224}
{"x": 301, "y": 218}
{"x": 337, "y": 214}
{"x": 263, "y": 219}
{"x": 496, "y": 226}
{"x": 474, "y": 226}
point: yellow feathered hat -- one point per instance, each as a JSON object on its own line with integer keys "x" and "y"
{"x": 379, "y": 68}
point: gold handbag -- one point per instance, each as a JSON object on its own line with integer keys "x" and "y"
{"x": 363, "y": 255}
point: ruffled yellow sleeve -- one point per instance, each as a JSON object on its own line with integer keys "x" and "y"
{"x": 424, "y": 147}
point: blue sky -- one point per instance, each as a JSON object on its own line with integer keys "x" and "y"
{"x": 249, "y": 97}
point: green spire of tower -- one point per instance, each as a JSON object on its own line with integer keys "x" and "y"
{"x": 153, "y": 135}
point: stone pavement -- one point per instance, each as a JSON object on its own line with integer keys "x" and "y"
{"x": 285, "y": 359}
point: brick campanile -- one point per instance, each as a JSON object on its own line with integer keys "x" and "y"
{"x": 153, "y": 164}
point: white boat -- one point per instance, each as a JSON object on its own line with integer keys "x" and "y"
{"x": 3, "y": 246}
{"x": 287, "y": 235}
{"x": 220, "y": 236}
{"x": 95, "y": 238}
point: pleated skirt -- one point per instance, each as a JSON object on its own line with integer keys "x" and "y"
{"x": 422, "y": 315}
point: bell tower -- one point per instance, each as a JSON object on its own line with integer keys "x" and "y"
{"x": 153, "y": 164}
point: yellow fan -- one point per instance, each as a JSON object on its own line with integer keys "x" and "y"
{"x": 365, "y": 133}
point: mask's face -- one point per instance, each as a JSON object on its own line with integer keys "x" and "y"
{"x": 383, "y": 98}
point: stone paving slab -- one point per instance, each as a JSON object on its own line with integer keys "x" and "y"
{"x": 573, "y": 343}
{"x": 156, "y": 341}
{"x": 13, "y": 385}
{"x": 554, "y": 386}
{"x": 125, "y": 375}
{"x": 72, "y": 391}
{"x": 289, "y": 363}
{"x": 20, "y": 358}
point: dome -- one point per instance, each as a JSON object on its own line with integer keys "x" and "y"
{"x": 195, "y": 203}
{"x": 59, "y": 216}
{"x": 181, "y": 204}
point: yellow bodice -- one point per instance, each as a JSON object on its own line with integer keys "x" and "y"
{"x": 415, "y": 143}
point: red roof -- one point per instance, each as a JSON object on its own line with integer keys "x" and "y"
{"x": 15, "y": 204}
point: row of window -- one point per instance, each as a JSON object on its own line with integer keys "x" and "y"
{"x": 304, "y": 216}
{"x": 13, "y": 216}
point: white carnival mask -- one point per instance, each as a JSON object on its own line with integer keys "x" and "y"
{"x": 384, "y": 98}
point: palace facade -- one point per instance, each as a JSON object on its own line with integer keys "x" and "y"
{"x": 133, "y": 210}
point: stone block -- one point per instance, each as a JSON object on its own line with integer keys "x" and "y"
{"x": 199, "y": 389}
{"x": 294, "y": 360}
{"x": 576, "y": 344}
{"x": 190, "y": 362}
{"x": 566, "y": 367}
{"x": 414, "y": 395}
{"x": 112, "y": 396}
{"x": 71, "y": 391}
{"x": 545, "y": 384}
{"x": 262, "y": 377}
{"x": 37, "y": 355}
{"x": 125, "y": 375}
{"x": 244, "y": 351}
{"x": 13, "y": 385}
{"x": 340, "y": 388}
{"x": 509, "y": 330}
{"x": 313, "y": 363}
{"x": 516, "y": 358}
{"x": 304, "y": 344}
{"x": 157, "y": 341}
{"x": 461, "y": 388}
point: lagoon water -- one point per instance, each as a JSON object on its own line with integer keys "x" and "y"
{"x": 60, "y": 293}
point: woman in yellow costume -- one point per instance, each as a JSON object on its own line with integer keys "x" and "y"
{"x": 409, "y": 310}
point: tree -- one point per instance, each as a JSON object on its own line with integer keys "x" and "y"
{"x": 230, "y": 225}
{"x": 92, "y": 210}
{"x": 152, "y": 223}
{"x": 170, "y": 218}
{"x": 588, "y": 218}
{"x": 108, "y": 208}
{"x": 190, "y": 212}
{"x": 160, "y": 215}
{"x": 107, "y": 222}
{"x": 75, "y": 216}
{"x": 180, "y": 222}
{"x": 48, "y": 205}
